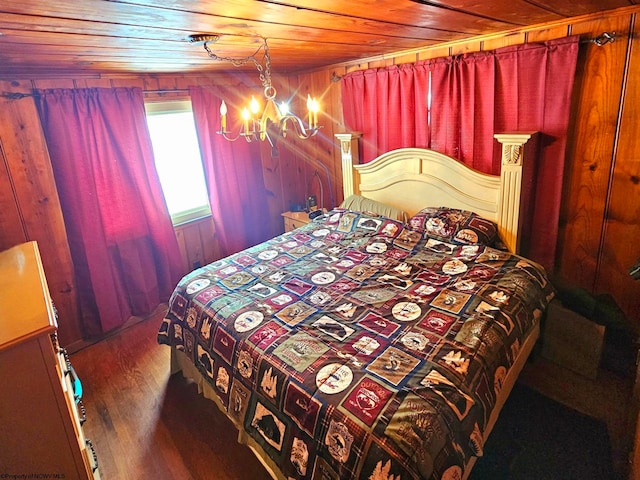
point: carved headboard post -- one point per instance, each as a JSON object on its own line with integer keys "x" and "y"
{"x": 350, "y": 157}
{"x": 515, "y": 147}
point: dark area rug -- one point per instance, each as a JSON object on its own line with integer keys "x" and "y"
{"x": 536, "y": 438}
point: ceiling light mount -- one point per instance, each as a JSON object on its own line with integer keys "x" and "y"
{"x": 197, "y": 38}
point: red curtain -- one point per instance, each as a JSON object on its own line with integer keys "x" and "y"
{"x": 388, "y": 106}
{"x": 233, "y": 171}
{"x": 533, "y": 93}
{"x": 125, "y": 253}
{"x": 462, "y": 110}
{"x": 521, "y": 88}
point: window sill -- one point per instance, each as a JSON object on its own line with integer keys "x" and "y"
{"x": 190, "y": 217}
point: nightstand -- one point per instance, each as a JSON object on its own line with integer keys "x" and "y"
{"x": 293, "y": 220}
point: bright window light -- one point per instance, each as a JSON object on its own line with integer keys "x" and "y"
{"x": 178, "y": 160}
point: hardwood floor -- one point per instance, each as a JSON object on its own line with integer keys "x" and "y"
{"x": 145, "y": 424}
{"x": 607, "y": 398}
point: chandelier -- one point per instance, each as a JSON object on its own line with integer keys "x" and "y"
{"x": 275, "y": 119}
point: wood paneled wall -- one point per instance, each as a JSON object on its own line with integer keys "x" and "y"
{"x": 29, "y": 204}
{"x": 600, "y": 216}
{"x": 197, "y": 242}
{"x": 600, "y": 220}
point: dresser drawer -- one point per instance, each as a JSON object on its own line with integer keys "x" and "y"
{"x": 293, "y": 220}
{"x": 91, "y": 460}
{"x": 69, "y": 383}
{"x": 293, "y": 224}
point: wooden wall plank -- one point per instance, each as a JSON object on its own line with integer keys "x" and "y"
{"x": 272, "y": 164}
{"x": 197, "y": 242}
{"x": 621, "y": 248}
{"x": 381, "y": 63}
{"x": 127, "y": 82}
{"x": 466, "y": 47}
{"x": 44, "y": 83}
{"x": 356, "y": 67}
{"x": 11, "y": 229}
{"x": 93, "y": 83}
{"x": 592, "y": 133}
{"x": 193, "y": 243}
{"x": 517, "y": 38}
{"x": 323, "y": 145}
{"x": 408, "y": 58}
{"x": 547, "y": 33}
{"x": 182, "y": 246}
{"x": 435, "y": 52}
{"x": 326, "y": 86}
{"x": 334, "y": 96}
{"x": 210, "y": 247}
{"x": 292, "y": 169}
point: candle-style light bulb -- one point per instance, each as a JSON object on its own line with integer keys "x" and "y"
{"x": 309, "y": 109}
{"x": 246, "y": 116}
{"x": 283, "y": 109}
{"x": 254, "y": 105}
{"x": 223, "y": 116}
{"x": 315, "y": 108}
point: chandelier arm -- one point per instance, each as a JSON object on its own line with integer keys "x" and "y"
{"x": 301, "y": 131}
{"x": 226, "y": 136}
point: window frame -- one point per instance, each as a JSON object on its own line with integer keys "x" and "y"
{"x": 161, "y": 107}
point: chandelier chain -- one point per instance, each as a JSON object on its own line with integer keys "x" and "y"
{"x": 264, "y": 72}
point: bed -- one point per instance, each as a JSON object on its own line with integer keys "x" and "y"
{"x": 363, "y": 346}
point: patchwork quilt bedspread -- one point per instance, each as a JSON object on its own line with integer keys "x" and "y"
{"x": 358, "y": 347}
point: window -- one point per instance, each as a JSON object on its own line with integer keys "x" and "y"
{"x": 178, "y": 160}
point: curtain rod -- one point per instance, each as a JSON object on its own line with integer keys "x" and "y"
{"x": 18, "y": 95}
{"x": 174, "y": 90}
{"x": 602, "y": 39}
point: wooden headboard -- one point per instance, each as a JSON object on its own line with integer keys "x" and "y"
{"x": 413, "y": 178}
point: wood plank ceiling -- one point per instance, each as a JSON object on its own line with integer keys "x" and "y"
{"x": 150, "y": 36}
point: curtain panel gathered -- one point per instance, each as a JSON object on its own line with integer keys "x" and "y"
{"x": 389, "y": 107}
{"x": 233, "y": 172}
{"x": 125, "y": 253}
{"x": 454, "y": 105}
